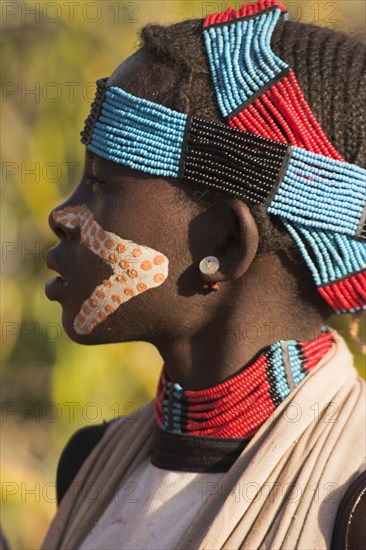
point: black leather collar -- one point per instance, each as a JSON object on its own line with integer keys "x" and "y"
{"x": 187, "y": 453}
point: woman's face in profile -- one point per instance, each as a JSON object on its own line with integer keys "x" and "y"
{"x": 129, "y": 247}
{"x": 123, "y": 243}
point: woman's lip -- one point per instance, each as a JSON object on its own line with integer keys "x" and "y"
{"x": 52, "y": 260}
{"x": 55, "y": 288}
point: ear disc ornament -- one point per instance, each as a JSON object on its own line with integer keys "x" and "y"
{"x": 209, "y": 265}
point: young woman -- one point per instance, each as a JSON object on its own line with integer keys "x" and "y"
{"x": 220, "y": 216}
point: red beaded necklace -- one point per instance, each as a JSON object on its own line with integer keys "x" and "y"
{"x": 238, "y": 406}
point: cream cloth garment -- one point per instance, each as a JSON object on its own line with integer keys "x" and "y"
{"x": 152, "y": 510}
{"x": 292, "y": 475}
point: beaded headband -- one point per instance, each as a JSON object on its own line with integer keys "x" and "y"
{"x": 272, "y": 152}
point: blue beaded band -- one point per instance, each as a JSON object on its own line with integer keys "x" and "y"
{"x": 321, "y": 192}
{"x": 242, "y": 62}
{"x": 138, "y": 133}
{"x": 330, "y": 256}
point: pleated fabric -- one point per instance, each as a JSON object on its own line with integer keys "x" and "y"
{"x": 283, "y": 491}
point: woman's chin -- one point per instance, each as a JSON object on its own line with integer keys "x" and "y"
{"x": 103, "y": 333}
{"x": 89, "y": 337}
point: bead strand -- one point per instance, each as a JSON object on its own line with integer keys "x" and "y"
{"x": 240, "y": 57}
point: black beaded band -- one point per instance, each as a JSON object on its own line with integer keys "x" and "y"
{"x": 87, "y": 132}
{"x": 361, "y": 230}
{"x": 240, "y": 163}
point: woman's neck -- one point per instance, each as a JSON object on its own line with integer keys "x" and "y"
{"x": 266, "y": 309}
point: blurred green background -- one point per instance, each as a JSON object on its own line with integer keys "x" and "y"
{"x": 52, "y": 53}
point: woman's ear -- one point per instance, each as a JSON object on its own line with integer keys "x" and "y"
{"x": 237, "y": 242}
{"x": 248, "y": 236}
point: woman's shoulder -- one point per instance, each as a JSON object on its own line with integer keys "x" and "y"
{"x": 83, "y": 441}
{"x": 75, "y": 452}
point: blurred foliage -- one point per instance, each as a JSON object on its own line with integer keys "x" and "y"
{"x": 52, "y": 53}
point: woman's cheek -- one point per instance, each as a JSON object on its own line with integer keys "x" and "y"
{"x": 136, "y": 268}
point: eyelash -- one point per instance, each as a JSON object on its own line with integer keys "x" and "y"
{"x": 94, "y": 180}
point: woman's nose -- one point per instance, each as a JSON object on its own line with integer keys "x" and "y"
{"x": 60, "y": 225}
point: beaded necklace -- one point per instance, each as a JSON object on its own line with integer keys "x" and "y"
{"x": 237, "y": 407}
{"x": 272, "y": 150}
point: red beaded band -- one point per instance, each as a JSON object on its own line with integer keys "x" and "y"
{"x": 246, "y": 10}
{"x": 347, "y": 294}
{"x": 283, "y": 114}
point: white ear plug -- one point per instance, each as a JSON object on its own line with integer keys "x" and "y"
{"x": 209, "y": 265}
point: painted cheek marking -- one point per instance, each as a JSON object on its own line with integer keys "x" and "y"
{"x": 136, "y": 268}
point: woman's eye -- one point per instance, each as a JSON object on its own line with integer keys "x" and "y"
{"x": 96, "y": 183}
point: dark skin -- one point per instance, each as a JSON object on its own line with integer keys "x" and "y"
{"x": 202, "y": 335}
